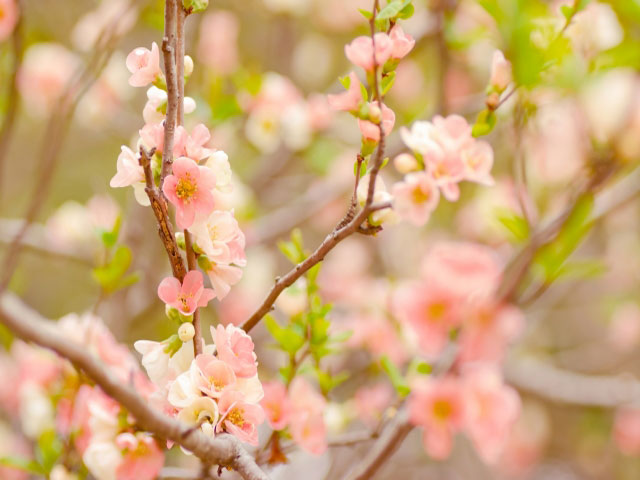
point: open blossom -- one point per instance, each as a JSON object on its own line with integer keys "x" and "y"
{"x": 438, "y": 406}
{"x": 212, "y": 376}
{"x": 307, "y": 425}
{"x": 144, "y": 65}
{"x": 129, "y": 169}
{"x": 201, "y": 409}
{"x": 220, "y": 238}
{"x": 102, "y": 459}
{"x": 371, "y": 131}
{"x": 478, "y": 161}
{"x": 276, "y": 405}
{"x": 235, "y": 347}
{"x": 239, "y": 417}
{"x": 360, "y": 51}
{"x": 350, "y": 100}
{"x": 402, "y": 42}
{"x": 189, "y": 189}
{"x": 8, "y": 18}
{"x": 500, "y": 71}
{"x": 185, "y": 296}
{"x": 162, "y": 367}
{"x": 222, "y": 277}
{"x": 416, "y": 197}
{"x": 218, "y": 163}
{"x": 142, "y": 458}
{"x": 492, "y": 409}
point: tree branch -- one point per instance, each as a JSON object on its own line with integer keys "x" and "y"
{"x": 224, "y": 450}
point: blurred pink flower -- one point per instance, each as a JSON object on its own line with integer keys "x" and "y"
{"x": 371, "y": 402}
{"x": 218, "y": 43}
{"x": 189, "y": 189}
{"x": 624, "y": 330}
{"x": 276, "y": 404}
{"x": 402, "y": 42}
{"x": 350, "y": 100}
{"x": 371, "y": 131}
{"x": 307, "y": 425}
{"x": 222, "y": 277}
{"x": 144, "y": 65}
{"x": 378, "y": 335}
{"x": 188, "y": 296}
{"x": 235, "y": 347}
{"x": 500, "y": 72}
{"x": 438, "y": 406}
{"x": 626, "y": 430}
{"x": 240, "y": 418}
{"x": 478, "y": 162}
{"x": 360, "y": 51}
{"x": 8, "y": 18}
{"x": 416, "y": 197}
{"x": 142, "y": 458}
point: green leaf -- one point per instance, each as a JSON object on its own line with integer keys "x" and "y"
{"x": 195, "y": 6}
{"x": 406, "y": 12}
{"x": 288, "y": 339}
{"x": 109, "y": 277}
{"x": 397, "y": 380}
{"x": 514, "y": 223}
{"x": 393, "y": 9}
{"x": 48, "y": 450}
{"x": 387, "y": 82}
{"x": 485, "y": 122}
{"x": 345, "y": 81}
{"x": 24, "y": 464}
{"x": 567, "y": 11}
{"x": 366, "y": 14}
{"x": 581, "y": 269}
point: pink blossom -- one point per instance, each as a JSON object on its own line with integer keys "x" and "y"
{"x": 478, "y": 161}
{"x": 371, "y": 402}
{"x": 235, "y": 347}
{"x": 189, "y": 189}
{"x": 222, "y": 277}
{"x": 8, "y": 18}
{"x": 276, "y": 404}
{"x": 500, "y": 71}
{"x": 492, "y": 409}
{"x": 307, "y": 425}
{"x": 220, "y": 238}
{"x": 212, "y": 376}
{"x": 438, "y": 406}
{"x": 626, "y": 430}
{"x": 129, "y": 169}
{"x": 371, "y": 131}
{"x": 319, "y": 111}
{"x": 350, "y": 100}
{"x": 416, "y": 197}
{"x": 402, "y": 42}
{"x": 217, "y": 46}
{"x": 142, "y": 458}
{"x": 195, "y": 143}
{"x": 360, "y": 51}
{"x": 379, "y": 336}
{"x": 240, "y": 418}
{"x": 144, "y": 65}
{"x": 188, "y": 296}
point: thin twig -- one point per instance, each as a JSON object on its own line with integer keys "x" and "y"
{"x": 168, "y": 51}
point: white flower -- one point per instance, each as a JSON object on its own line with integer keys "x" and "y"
{"x": 36, "y": 412}
{"x": 251, "y": 388}
{"x": 102, "y": 458}
{"x": 199, "y": 409}
{"x": 154, "y": 359}
{"x": 156, "y": 98}
{"x": 59, "y": 472}
{"x": 182, "y": 391}
{"x": 219, "y": 163}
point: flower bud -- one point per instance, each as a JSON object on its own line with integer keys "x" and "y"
{"x": 180, "y": 240}
{"x": 186, "y": 332}
{"x": 406, "y": 163}
{"x": 500, "y": 72}
{"x": 188, "y": 65}
{"x": 172, "y": 313}
{"x": 375, "y": 114}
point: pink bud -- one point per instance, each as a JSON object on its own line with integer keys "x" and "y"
{"x": 500, "y": 71}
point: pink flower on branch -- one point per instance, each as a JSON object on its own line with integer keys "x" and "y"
{"x": 276, "y": 405}
{"x": 188, "y": 296}
{"x": 212, "y": 376}
{"x": 235, "y": 348}
{"x": 129, "y": 170}
{"x": 348, "y": 101}
{"x": 142, "y": 458}
{"x": 240, "y": 418}
{"x": 144, "y": 65}
{"x": 416, "y": 197}
{"x": 360, "y": 51}
{"x": 370, "y": 130}
{"x": 402, "y": 42}
{"x": 189, "y": 189}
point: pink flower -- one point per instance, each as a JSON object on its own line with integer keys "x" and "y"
{"x": 402, "y": 43}
{"x": 478, "y": 161}
{"x": 220, "y": 238}
{"x": 626, "y": 430}
{"x": 240, "y": 418}
{"x": 360, "y": 51}
{"x": 416, "y": 197}
{"x": 492, "y": 409}
{"x": 129, "y": 169}
{"x": 222, "y": 277}
{"x": 189, "y": 189}
{"x": 144, "y": 65}
{"x": 217, "y": 46}
{"x": 371, "y": 402}
{"x": 276, "y": 405}
{"x": 438, "y": 406}
{"x": 195, "y": 143}
{"x": 188, "y": 296}
{"x": 8, "y": 18}
{"x": 500, "y": 72}
{"x": 624, "y": 330}
{"x": 350, "y": 100}
{"x": 212, "y": 376}
{"x": 371, "y": 131}
{"x": 307, "y": 425}
{"x": 142, "y": 458}
{"x": 235, "y": 347}
{"x": 378, "y": 335}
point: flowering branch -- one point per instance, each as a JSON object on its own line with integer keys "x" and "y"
{"x": 224, "y": 450}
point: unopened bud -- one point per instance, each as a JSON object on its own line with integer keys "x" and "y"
{"x": 406, "y": 163}
{"x": 186, "y": 332}
{"x": 492, "y": 101}
{"x": 375, "y": 114}
{"x": 180, "y": 240}
{"x": 172, "y": 313}
{"x": 188, "y": 65}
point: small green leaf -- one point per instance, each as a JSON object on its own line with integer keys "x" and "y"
{"x": 387, "y": 82}
{"x": 366, "y": 13}
{"x": 24, "y": 464}
{"x": 48, "y": 450}
{"x": 109, "y": 277}
{"x": 406, "y": 12}
{"x": 345, "y": 81}
{"x": 567, "y": 11}
{"x": 485, "y": 122}
{"x": 514, "y": 223}
{"x": 393, "y": 9}
{"x": 397, "y": 380}
{"x": 195, "y": 6}
{"x": 288, "y": 339}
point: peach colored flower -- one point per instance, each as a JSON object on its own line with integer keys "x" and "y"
{"x": 438, "y": 405}
{"x": 144, "y": 65}
{"x": 276, "y": 404}
{"x": 348, "y": 101}
{"x": 220, "y": 238}
{"x": 478, "y": 162}
{"x": 235, "y": 347}
{"x": 307, "y": 425}
{"x": 129, "y": 170}
{"x": 371, "y": 402}
{"x": 218, "y": 43}
{"x": 142, "y": 458}
{"x": 212, "y": 376}
{"x": 360, "y": 51}
{"x": 185, "y": 296}
{"x": 239, "y": 418}
{"x": 416, "y": 197}
{"x": 189, "y": 189}
{"x": 626, "y": 430}
{"x": 402, "y": 42}
{"x": 371, "y": 131}
{"x": 222, "y": 277}
{"x": 500, "y": 72}
{"x": 201, "y": 409}
{"x": 8, "y": 18}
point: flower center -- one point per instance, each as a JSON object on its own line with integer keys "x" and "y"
{"x": 436, "y": 310}
{"x": 184, "y": 300}
{"x": 420, "y": 196}
{"x": 236, "y": 417}
{"x": 442, "y": 409}
{"x": 186, "y": 188}
{"x": 217, "y": 383}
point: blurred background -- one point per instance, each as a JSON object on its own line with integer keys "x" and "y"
{"x": 262, "y": 72}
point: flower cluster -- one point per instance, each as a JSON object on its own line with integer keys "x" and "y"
{"x": 218, "y": 390}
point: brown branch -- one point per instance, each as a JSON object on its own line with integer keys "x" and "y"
{"x": 168, "y": 50}
{"x": 223, "y": 450}
{"x": 159, "y": 207}
{"x": 191, "y": 262}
